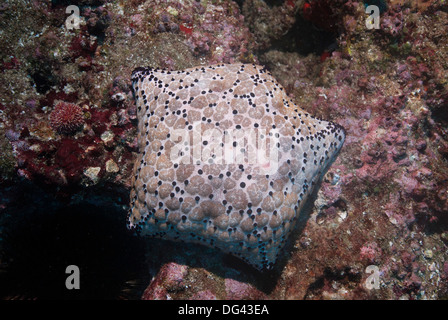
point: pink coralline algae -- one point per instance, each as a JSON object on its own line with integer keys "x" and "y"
{"x": 66, "y": 118}
{"x": 170, "y": 278}
{"x": 212, "y": 31}
{"x": 237, "y": 290}
{"x": 370, "y": 251}
{"x": 392, "y": 21}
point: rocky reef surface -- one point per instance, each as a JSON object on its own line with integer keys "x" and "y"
{"x": 68, "y": 127}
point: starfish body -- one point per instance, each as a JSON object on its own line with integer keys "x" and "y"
{"x": 226, "y": 159}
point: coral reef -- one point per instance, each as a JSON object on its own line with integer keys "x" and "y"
{"x": 384, "y": 201}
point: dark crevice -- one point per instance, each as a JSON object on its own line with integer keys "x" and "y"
{"x": 305, "y": 38}
{"x": 42, "y": 236}
{"x": 43, "y": 78}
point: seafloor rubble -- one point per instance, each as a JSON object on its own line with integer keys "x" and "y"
{"x": 68, "y": 138}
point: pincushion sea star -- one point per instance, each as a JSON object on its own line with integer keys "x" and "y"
{"x": 204, "y": 174}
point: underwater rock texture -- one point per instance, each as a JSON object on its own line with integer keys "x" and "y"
{"x": 384, "y": 201}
